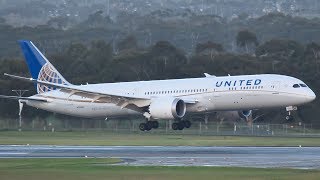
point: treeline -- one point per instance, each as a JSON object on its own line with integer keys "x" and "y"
{"x": 183, "y": 29}
{"x": 96, "y": 62}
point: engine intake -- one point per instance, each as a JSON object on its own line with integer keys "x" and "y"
{"x": 167, "y": 108}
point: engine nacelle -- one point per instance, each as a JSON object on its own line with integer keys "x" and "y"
{"x": 245, "y": 114}
{"x": 167, "y": 108}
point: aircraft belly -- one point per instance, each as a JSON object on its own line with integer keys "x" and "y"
{"x": 252, "y": 100}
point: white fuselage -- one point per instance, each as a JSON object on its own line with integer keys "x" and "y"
{"x": 210, "y": 94}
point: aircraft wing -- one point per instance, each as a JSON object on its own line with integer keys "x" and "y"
{"x": 120, "y": 100}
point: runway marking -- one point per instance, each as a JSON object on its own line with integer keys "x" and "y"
{"x": 12, "y": 153}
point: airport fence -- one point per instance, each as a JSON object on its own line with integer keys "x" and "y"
{"x": 132, "y": 126}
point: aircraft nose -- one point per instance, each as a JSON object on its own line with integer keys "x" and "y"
{"x": 311, "y": 96}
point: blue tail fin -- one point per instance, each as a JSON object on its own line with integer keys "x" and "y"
{"x": 39, "y": 67}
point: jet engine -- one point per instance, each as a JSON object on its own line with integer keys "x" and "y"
{"x": 167, "y": 108}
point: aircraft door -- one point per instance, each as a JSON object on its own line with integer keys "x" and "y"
{"x": 135, "y": 92}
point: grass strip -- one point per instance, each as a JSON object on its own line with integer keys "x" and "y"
{"x": 147, "y": 139}
{"x": 96, "y": 168}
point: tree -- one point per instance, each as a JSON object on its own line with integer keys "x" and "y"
{"x": 97, "y": 20}
{"x": 209, "y": 48}
{"x": 312, "y": 55}
{"x": 246, "y": 38}
{"x": 77, "y": 51}
{"x": 61, "y": 22}
{"x": 99, "y": 54}
{"x": 129, "y": 42}
{"x": 280, "y": 48}
{"x": 313, "y": 49}
{"x": 167, "y": 58}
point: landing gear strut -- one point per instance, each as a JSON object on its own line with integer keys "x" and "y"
{"x": 181, "y": 125}
{"x": 289, "y": 117}
{"x": 149, "y": 125}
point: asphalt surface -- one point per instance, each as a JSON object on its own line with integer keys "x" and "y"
{"x": 264, "y": 157}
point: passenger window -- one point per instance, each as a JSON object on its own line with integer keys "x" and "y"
{"x": 296, "y": 86}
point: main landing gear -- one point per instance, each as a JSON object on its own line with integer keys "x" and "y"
{"x": 289, "y": 117}
{"x": 181, "y": 125}
{"x": 149, "y": 125}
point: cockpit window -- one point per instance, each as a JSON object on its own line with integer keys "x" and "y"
{"x": 296, "y": 86}
{"x": 303, "y": 85}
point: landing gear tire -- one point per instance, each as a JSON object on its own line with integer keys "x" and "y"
{"x": 149, "y": 125}
{"x": 155, "y": 124}
{"x": 175, "y": 126}
{"x": 143, "y": 126}
{"x": 289, "y": 118}
{"x": 187, "y": 124}
{"x": 181, "y": 125}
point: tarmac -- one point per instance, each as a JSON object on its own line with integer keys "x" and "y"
{"x": 261, "y": 157}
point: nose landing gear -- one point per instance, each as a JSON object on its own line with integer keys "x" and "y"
{"x": 289, "y": 118}
{"x": 289, "y": 109}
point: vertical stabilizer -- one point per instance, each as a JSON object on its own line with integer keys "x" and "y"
{"x": 40, "y": 68}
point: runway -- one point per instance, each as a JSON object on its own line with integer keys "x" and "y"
{"x": 263, "y": 157}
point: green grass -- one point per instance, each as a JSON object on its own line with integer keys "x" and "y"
{"x": 146, "y": 139}
{"x": 78, "y": 169}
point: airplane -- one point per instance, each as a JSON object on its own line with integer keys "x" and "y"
{"x": 158, "y": 99}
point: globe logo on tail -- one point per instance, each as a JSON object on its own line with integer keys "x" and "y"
{"x": 49, "y": 74}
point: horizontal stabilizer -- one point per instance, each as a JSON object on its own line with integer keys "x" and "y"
{"x": 19, "y": 77}
{"x": 22, "y": 98}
